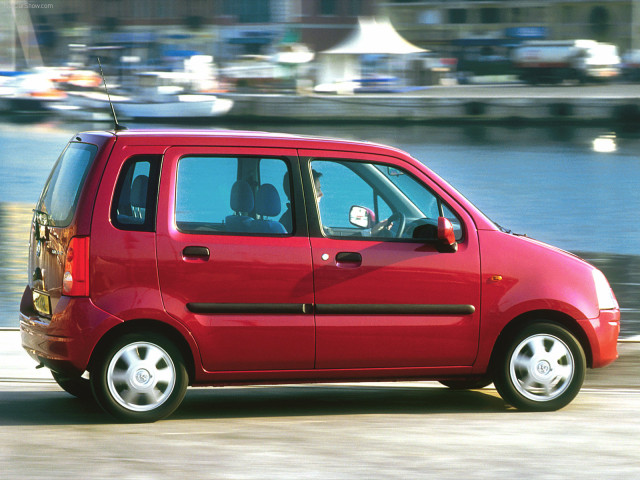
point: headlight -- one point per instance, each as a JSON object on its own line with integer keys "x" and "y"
{"x": 606, "y": 298}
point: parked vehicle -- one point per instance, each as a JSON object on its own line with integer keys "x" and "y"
{"x": 161, "y": 259}
{"x": 631, "y": 65}
{"x": 548, "y": 61}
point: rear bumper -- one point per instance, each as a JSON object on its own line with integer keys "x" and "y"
{"x": 48, "y": 350}
{"x": 602, "y": 333}
{"x": 65, "y": 342}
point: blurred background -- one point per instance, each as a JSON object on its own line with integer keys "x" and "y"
{"x": 208, "y": 46}
{"x": 529, "y": 107}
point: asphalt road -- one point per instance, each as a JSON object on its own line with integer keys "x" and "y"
{"x": 345, "y": 432}
{"x": 402, "y": 430}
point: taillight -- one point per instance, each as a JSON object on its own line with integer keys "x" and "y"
{"x": 75, "y": 281}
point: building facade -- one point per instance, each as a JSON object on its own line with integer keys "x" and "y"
{"x": 445, "y": 24}
{"x": 229, "y": 28}
{"x": 223, "y": 28}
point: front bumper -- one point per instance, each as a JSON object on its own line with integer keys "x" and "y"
{"x": 602, "y": 333}
{"x": 600, "y": 72}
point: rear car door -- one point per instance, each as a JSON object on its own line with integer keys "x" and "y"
{"x": 387, "y": 296}
{"x": 230, "y": 270}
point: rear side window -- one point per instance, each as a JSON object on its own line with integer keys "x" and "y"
{"x": 134, "y": 202}
{"x": 59, "y": 198}
{"x": 233, "y": 195}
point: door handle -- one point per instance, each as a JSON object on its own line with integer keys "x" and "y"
{"x": 348, "y": 260}
{"x": 195, "y": 253}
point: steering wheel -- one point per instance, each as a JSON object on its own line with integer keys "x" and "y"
{"x": 398, "y": 221}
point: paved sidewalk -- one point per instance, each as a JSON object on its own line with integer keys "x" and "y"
{"x": 17, "y": 367}
{"x": 15, "y": 364}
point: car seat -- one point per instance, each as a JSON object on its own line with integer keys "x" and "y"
{"x": 139, "y": 198}
{"x": 267, "y": 205}
{"x": 242, "y": 204}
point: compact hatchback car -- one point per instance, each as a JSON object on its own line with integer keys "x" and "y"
{"x": 162, "y": 259}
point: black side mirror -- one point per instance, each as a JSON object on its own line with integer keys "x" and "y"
{"x": 441, "y": 235}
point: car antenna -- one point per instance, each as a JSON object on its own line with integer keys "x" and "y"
{"x": 117, "y": 127}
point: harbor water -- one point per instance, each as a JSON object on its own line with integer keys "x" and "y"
{"x": 572, "y": 187}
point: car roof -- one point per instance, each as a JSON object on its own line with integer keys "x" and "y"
{"x": 244, "y": 138}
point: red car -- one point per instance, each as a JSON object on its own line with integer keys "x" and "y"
{"x": 162, "y": 259}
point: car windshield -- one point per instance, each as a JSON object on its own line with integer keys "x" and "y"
{"x": 451, "y": 188}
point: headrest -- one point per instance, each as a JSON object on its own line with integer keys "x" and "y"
{"x": 268, "y": 201}
{"x": 139, "y": 191}
{"x": 241, "y": 197}
{"x": 286, "y": 185}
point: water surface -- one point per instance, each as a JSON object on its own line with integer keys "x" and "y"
{"x": 549, "y": 183}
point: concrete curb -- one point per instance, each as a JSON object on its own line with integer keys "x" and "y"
{"x": 419, "y": 108}
{"x": 634, "y": 339}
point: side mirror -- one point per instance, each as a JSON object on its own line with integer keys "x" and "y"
{"x": 446, "y": 235}
{"x": 362, "y": 217}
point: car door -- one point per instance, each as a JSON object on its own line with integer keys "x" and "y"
{"x": 228, "y": 269}
{"x": 384, "y": 300}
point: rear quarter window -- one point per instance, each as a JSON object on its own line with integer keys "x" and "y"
{"x": 134, "y": 204}
{"x": 60, "y": 195}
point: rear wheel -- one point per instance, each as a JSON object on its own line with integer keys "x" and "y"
{"x": 140, "y": 378}
{"x": 542, "y": 368}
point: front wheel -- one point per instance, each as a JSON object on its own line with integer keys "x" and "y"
{"x": 541, "y": 369}
{"x": 140, "y": 378}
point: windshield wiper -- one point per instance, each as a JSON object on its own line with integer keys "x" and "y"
{"x": 507, "y": 231}
{"x": 501, "y": 228}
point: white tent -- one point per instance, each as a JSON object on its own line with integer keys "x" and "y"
{"x": 370, "y": 37}
{"x": 374, "y": 36}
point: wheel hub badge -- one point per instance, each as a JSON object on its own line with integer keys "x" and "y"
{"x": 142, "y": 376}
{"x": 543, "y": 367}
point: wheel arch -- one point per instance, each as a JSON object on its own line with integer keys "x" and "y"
{"x": 528, "y": 318}
{"x": 161, "y": 328}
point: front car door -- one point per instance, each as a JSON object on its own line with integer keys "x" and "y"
{"x": 229, "y": 269}
{"x": 385, "y": 295}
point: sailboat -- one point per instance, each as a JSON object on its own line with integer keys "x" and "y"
{"x": 31, "y": 89}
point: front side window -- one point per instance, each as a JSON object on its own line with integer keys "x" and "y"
{"x": 370, "y": 200}
{"x": 231, "y": 195}
{"x": 62, "y": 190}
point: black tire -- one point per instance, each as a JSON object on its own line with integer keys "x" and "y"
{"x": 466, "y": 383}
{"x": 541, "y": 368}
{"x": 141, "y": 377}
{"x": 77, "y": 386}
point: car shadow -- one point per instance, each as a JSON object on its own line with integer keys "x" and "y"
{"x": 59, "y": 408}
{"x": 318, "y": 400}
{"x": 47, "y": 407}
